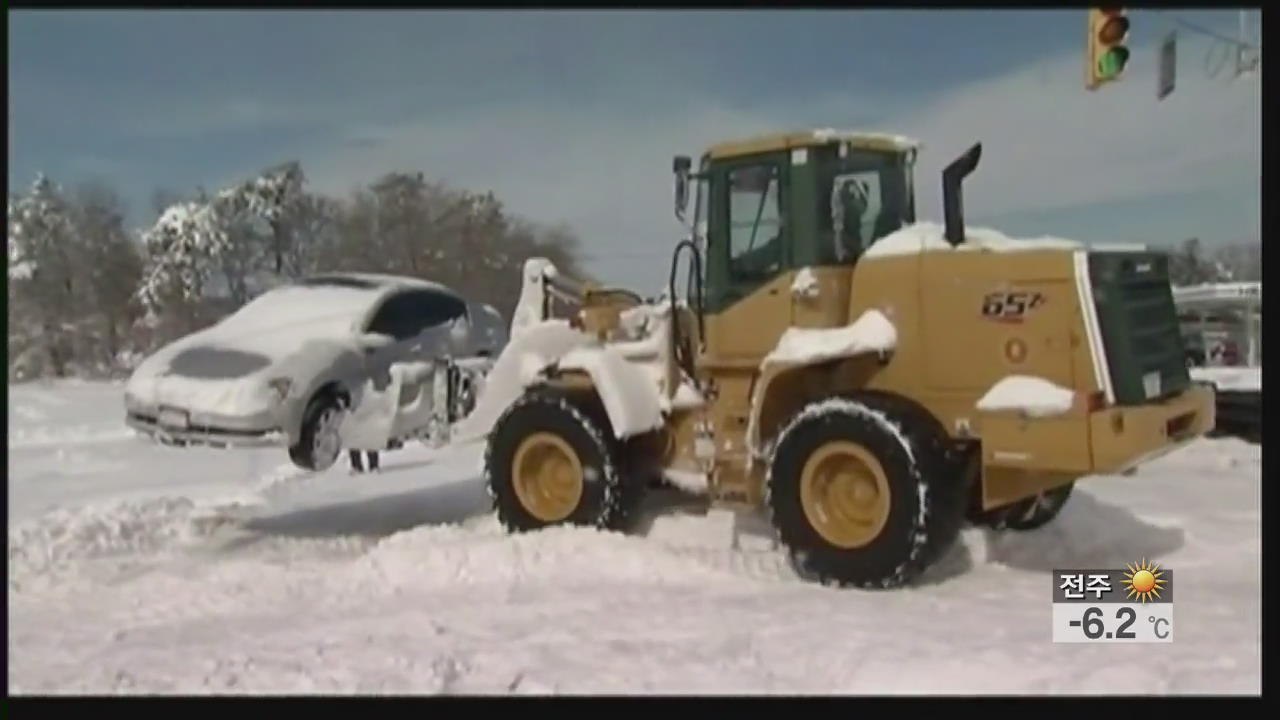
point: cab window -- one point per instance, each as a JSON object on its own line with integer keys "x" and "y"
{"x": 755, "y": 222}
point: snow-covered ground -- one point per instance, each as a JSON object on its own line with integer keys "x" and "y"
{"x": 121, "y": 581}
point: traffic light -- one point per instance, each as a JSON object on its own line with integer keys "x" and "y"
{"x": 1107, "y": 54}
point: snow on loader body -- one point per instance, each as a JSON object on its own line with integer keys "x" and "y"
{"x": 868, "y": 381}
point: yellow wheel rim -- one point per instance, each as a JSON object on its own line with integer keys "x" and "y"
{"x": 845, "y": 494}
{"x": 547, "y": 476}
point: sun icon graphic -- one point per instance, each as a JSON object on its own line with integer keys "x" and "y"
{"x": 1144, "y": 580}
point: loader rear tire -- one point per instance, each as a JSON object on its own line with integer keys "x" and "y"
{"x": 552, "y": 459}
{"x": 860, "y": 493}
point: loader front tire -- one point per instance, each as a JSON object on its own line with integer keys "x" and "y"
{"x": 552, "y": 459}
{"x": 1029, "y": 514}
{"x": 858, "y": 495}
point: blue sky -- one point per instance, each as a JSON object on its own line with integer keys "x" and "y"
{"x": 574, "y": 116}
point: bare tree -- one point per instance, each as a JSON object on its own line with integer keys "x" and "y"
{"x": 110, "y": 266}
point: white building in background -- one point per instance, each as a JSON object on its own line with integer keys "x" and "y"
{"x": 1224, "y": 316}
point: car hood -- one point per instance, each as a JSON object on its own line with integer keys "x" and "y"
{"x": 226, "y": 370}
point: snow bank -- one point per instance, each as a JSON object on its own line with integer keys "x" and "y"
{"x": 63, "y": 536}
{"x": 872, "y": 332}
{"x": 304, "y": 607}
{"x": 1230, "y": 379}
{"x": 1031, "y": 395}
{"x": 929, "y": 237}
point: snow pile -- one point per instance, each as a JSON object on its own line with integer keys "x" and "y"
{"x": 1230, "y": 379}
{"x": 927, "y": 237}
{"x": 871, "y": 332}
{"x": 63, "y": 536}
{"x": 1033, "y": 396}
{"x": 805, "y": 284}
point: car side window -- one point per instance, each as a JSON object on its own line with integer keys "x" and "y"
{"x": 394, "y": 318}
{"x": 408, "y": 314}
{"x": 429, "y": 308}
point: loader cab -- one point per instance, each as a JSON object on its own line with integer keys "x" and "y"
{"x": 780, "y": 203}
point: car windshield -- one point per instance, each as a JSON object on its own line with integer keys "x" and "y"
{"x": 304, "y": 304}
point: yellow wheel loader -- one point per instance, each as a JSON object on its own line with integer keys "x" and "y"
{"x": 868, "y": 381}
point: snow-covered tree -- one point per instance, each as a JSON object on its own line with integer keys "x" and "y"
{"x": 230, "y": 244}
{"x": 42, "y": 276}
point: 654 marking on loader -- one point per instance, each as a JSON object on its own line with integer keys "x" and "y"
{"x": 1011, "y": 307}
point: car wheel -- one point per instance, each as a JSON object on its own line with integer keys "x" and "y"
{"x": 319, "y": 443}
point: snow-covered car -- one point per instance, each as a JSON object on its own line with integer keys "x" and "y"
{"x": 290, "y": 366}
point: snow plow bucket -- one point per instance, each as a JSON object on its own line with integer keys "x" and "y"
{"x": 1023, "y": 455}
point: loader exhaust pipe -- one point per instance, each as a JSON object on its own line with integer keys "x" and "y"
{"x": 952, "y": 197}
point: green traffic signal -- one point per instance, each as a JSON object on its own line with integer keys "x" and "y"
{"x": 1112, "y": 62}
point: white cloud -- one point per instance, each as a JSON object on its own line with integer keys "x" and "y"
{"x": 604, "y": 166}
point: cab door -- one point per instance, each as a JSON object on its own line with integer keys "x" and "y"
{"x": 748, "y": 294}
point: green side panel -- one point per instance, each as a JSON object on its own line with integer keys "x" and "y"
{"x": 1139, "y": 323}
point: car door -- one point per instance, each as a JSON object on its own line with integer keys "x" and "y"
{"x": 393, "y": 318}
